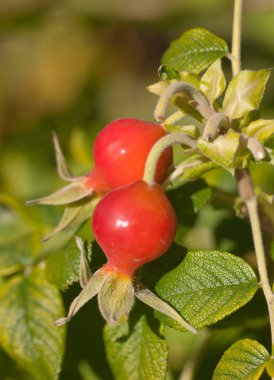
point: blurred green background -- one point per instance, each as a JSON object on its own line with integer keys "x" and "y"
{"x": 73, "y": 66}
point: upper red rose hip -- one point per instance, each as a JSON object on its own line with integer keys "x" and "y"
{"x": 133, "y": 225}
{"x": 121, "y": 150}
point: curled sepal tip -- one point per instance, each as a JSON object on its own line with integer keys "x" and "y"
{"x": 90, "y": 290}
{"x": 62, "y": 167}
{"x": 158, "y": 304}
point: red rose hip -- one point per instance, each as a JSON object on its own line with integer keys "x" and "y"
{"x": 133, "y": 225}
{"x": 121, "y": 150}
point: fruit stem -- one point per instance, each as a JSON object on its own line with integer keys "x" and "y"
{"x": 245, "y": 186}
{"x": 202, "y": 105}
{"x": 158, "y": 148}
{"x": 236, "y": 37}
{"x": 247, "y": 193}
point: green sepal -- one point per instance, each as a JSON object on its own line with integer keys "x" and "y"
{"x": 261, "y": 129}
{"x": 244, "y": 93}
{"x": 116, "y": 297}
{"x": 195, "y": 50}
{"x": 228, "y": 151}
{"x": 244, "y": 360}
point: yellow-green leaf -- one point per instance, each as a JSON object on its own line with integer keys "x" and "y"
{"x": 244, "y": 360}
{"x": 29, "y": 305}
{"x": 226, "y": 150}
{"x": 261, "y": 129}
{"x": 213, "y": 81}
{"x": 244, "y": 93}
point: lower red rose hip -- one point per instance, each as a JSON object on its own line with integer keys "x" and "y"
{"x": 134, "y": 225}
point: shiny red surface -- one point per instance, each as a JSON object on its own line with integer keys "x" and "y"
{"x": 133, "y": 225}
{"x": 121, "y": 149}
{"x": 96, "y": 182}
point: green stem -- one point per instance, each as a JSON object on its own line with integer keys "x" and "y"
{"x": 201, "y": 102}
{"x": 158, "y": 148}
{"x": 245, "y": 185}
{"x": 236, "y": 37}
{"x": 215, "y": 123}
{"x": 246, "y": 192}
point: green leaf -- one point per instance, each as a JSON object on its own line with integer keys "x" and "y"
{"x": 17, "y": 241}
{"x": 226, "y": 150}
{"x": 261, "y": 129}
{"x": 15, "y": 255}
{"x": 207, "y": 286}
{"x": 137, "y": 350}
{"x": 244, "y": 360}
{"x": 213, "y": 81}
{"x": 190, "y": 130}
{"x": 244, "y": 93}
{"x": 63, "y": 267}
{"x": 29, "y": 305}
{"x": 195, "y": 50}
{"x": 86, "y": 371}
{"x": 190, "y": 78}
{"x": 167, "y": 72}
{"x": 195, "y": 166}
{"x": 201, "y": 198}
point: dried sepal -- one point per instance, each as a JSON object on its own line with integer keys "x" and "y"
{"x": 74, "y": 215}
{"x": 67, "y": 194}
{"x": 150, "y": 299}
{"x": 89, "y": 291}
{"x": 62, "y": 167}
